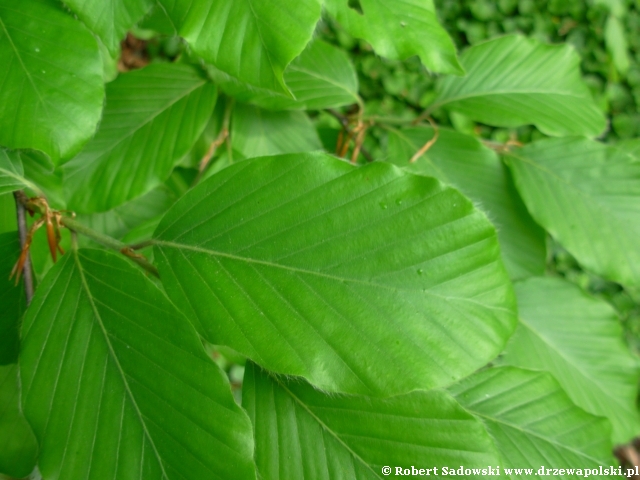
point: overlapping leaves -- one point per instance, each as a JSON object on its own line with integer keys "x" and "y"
{"x": 321, "y": 77}
{"x": 462, "y": 161}
{"x": 587, "y": 195}
{"x": 533, "y": 422}
{"x": 250, "y": 40}
{"x": 151, "y": 120}
{"x": 301, "y": 432}
{"x": 579, "y": 340}
{"x": 288, "y": 259}
{"x": 110, "y": 19}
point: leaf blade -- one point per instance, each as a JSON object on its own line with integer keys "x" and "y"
{"x": 321, "y": 77}
{"x": 579, "y": 340}
{"x": 400, "y": 29}
{"x": 269, "y": 35}
{"x": 38, "y": 111}
{"x": 533, "y": 421}
{"x": 587, "y": 195}
{"x": 514, "y": 81}
{"x": 300, "y": 229}
{"x": 164, "y": 410}
{"x": 136, "y": 147}
{"x": 354, "y": 437}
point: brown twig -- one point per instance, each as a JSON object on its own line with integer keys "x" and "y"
{"x": 359, "y": 141}
{"x": 223, "y": 136}
{"x": 22, "y": 232}
{"x": 628, "y": 455}
{"x": 429, "y": 144}
{"x": 37, "y": 205}
{"x": 342, "y": 146}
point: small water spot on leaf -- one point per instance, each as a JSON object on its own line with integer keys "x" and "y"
{"x": 420, "y": 271}
{"x": 37, "y": 49}
{"x": 44, "y": 71}
{"x": 383, "y": 205}
{"x": 399, "y": 201}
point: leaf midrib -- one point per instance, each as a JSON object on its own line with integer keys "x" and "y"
{"x": 114, "y": 357}
{"x": 215, "y": 253}
{"x": 458, "y": 98}
{"x": 559, "y": 446}
{"x": 325, "y": 427}
{"x": 603, "y": 388}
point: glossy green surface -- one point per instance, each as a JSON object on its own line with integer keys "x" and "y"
{"x": 579, "y": 340}
{"x": 363, "y": 280}
{"x": 513, "y": 81}
{"x": 51, "y": 79}
{"x": 116, "y": 384}
{"x": 303, "y": 433}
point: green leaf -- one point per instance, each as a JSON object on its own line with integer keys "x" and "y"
{"x": 152, "y": 119}
{"x": 363, "y": 280}
{"x": 321, "y": 77}
{"x": 533, "y": 422}
{"x": 632, "y": 147}
{"x": 587, "y": 195}
{"x": 18, "y": 446}
{"x": 11, "y": 172}
{"x": 116, "y": 383}
{"x": 616, "y": 41}
{"x": 580, "y": 341}
{"x": 52, "y": 88}
{"x": 12, "y": 300}
{"x": 110, "y": 19}
{"x": 513, "y": 81}
{"x": 303, "y": 433}
{"x": 251, "y": 40}
{"x": 256, "y": 132}
{"x": 477, "y": 172}
{"x": 399, "y": 30}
